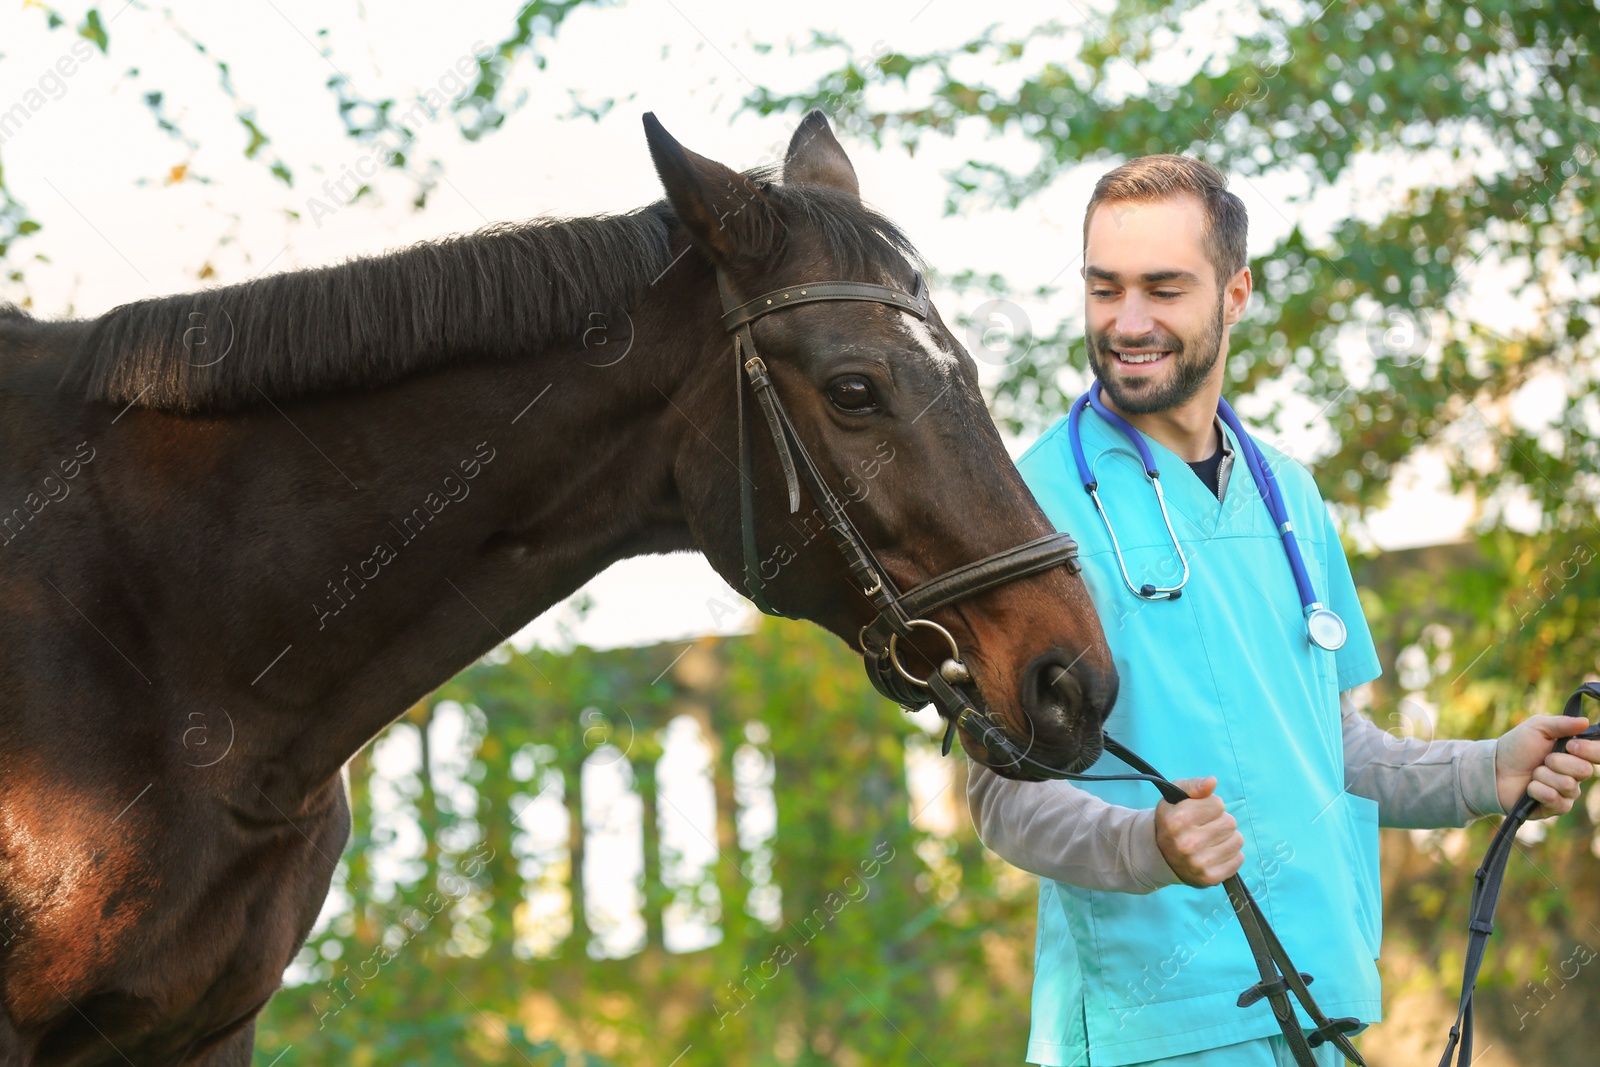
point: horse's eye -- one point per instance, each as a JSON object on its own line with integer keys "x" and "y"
{"x": 852, "y": 392}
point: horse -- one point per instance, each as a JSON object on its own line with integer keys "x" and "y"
{"x": 281, "y": 512}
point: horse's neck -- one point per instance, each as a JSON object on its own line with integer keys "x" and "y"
{"x": 481, "y": 497}
{"x": 312, "y": 567}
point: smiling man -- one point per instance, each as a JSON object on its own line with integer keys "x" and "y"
{"x": 1237, "y": 647}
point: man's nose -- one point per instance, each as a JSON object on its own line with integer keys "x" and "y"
{"x": 1133, "y": 317}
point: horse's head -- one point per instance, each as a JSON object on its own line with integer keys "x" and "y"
{"x": 885, "y": 401}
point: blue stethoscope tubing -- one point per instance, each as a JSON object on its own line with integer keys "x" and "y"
{"x": 1324, "y": 628}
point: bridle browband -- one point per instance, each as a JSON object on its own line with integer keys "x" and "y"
{"x": 899, "y": 615}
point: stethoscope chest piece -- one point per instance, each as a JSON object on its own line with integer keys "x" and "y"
{"x": 1325, "y": 629}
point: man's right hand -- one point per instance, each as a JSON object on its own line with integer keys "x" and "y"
{"x": 1200, "y": 840}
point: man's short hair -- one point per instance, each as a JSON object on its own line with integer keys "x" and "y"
{"x": 1148, "y": 179}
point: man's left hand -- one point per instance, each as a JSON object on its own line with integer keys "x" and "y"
{"x": 1525, "y": 760}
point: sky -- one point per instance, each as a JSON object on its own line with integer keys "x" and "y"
{"x": 117, "y": 232}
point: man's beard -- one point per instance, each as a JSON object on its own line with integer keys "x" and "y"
{"x": 1192, "y": 362}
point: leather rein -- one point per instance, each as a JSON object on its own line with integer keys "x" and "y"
{"x": 899, "y": 615}
{"x": 1278, "y": 975}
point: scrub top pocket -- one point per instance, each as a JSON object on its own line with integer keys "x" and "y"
{"x": 1361, "y": 821}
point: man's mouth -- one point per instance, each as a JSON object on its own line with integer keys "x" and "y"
{"x": 1138, "y": 357}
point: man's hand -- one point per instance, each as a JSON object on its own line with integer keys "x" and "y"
{"x": 1200, "y": 840}
{"x": 1525, "y": 759}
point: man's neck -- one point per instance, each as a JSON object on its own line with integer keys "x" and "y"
{"x": 1188, "y": 430}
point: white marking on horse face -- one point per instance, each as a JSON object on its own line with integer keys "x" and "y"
{"x": 944, "y": 362}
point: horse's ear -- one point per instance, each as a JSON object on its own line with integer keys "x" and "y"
{"x": 815, "y": 157}
{"x": 726, "y": 212}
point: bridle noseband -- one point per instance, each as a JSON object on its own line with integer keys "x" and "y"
{"x": 899, "y": 615}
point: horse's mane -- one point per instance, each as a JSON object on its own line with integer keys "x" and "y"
{"x": 503, "y": 292}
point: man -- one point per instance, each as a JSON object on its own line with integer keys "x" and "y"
{"x": 1139, "y": 958}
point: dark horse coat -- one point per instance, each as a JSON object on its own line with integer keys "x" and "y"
{"x": 279, "y": 513}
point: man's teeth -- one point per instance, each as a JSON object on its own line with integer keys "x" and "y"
{"x": 1140, "y": 357}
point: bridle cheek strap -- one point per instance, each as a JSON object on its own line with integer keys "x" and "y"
{"x": 761, "y": 384}
{"x": 863, "y": 566}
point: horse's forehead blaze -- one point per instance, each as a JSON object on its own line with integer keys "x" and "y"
{"x": 918, "y": 331}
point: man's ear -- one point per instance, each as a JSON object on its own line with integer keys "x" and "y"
{"x": 815, "y": 157}
{"x": 726, "y": 213}
{"x": 1236, "y": 295}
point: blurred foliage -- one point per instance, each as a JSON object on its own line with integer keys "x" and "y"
{"x": 892, "y": 943}
{"x": 386, "y": 124}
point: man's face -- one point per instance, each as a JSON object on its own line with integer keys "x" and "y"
{"x": 1155, "y": 314}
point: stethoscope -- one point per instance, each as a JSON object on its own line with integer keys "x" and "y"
{"x": 1324, "y": 628}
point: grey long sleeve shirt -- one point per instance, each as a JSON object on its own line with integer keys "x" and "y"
{"x": 1056, "y": 830}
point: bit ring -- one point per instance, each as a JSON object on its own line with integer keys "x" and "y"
{"x": 894, "y": 653}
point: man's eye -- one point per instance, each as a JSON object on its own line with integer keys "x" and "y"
{"x": 851, "y": 392}
{"x": 1101, "y": 292}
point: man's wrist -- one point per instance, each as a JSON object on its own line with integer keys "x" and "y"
{"x": 1478, "y": 778}
{"x": 1145, "y": 858}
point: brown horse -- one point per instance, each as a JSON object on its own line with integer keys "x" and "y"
{"x": 272, "y": 516}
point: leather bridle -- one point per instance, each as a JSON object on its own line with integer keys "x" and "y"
{"x": 899, "y": 615}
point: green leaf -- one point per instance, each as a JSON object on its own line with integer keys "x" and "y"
{"x": 93, "y": 29}
{"x": 257, "y": 138}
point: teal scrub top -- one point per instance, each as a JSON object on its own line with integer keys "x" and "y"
{"x": 1222, "y": 681}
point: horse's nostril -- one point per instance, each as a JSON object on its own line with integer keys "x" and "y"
{"x": 1062, "y": 682}
{"x": 1063, "y": 691}
{"x": 1051, "y": 693}
{"x": 1062, "y": 701}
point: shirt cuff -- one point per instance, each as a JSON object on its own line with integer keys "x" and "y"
{"x": 1476, "y": 781}
{"x": 1149, "y": 867}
